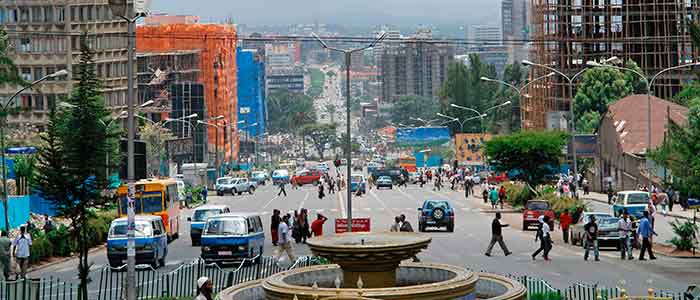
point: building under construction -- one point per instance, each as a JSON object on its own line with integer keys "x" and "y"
{"x": 568, "y": 33}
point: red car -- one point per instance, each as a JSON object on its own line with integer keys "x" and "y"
{"x": 307, "y": 177}
{"x": 533, "y": 210}
{"x": 497, "y": 178}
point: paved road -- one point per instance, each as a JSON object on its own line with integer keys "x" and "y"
{"x": 464, "y": 247}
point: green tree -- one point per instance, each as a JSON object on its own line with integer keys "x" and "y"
{"x": 408, "y": 107}
{"x": 508, "y": 120}
{"x": 688, "y": 93}
{"x": 320, "y": 135}
{"x": 155, "y": 137}
{"x": 289, "y": 111}
{"x": 9, "y": 73}
{"x": 531, "y": 152}
{"x": 679, "y": 153}
{"x": 78, "y": 138}
{"x": 464, "y": 87}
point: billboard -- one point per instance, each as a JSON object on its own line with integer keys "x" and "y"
{"x": 422, "y": 136}
{"x": 358, "y": 225}
{"x": 586, "y": 145}
{"x": 469, "y": 147}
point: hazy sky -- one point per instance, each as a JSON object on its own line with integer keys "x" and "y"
{"x": 344, "y": 12}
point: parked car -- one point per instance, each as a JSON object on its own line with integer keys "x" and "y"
{"x": 260, "y": 177}
{"x": 307, "y": 177}
{"x": 608, "y": 232}
{"x": 220, "y": 182}
{"x": 436, "y": 213}
{"x": 385, "y": 181}
{"x": 199, "y": 218}
{"x": 635, "y": 202}
{"x": 358, "y": 181}
{"x": 151, "y": 241}
{"x": 533, "y": 210}
{"x": 233, "y": 237}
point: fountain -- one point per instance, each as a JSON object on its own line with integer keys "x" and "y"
{"x": 369, "y": 266}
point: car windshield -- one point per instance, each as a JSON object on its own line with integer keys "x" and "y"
{"x": 226, "y": 227}
{"x": 607, "y": 221}
{"x": 384, "y": 178}
{"x": 356, "y": 178}
{"x": 119, "y": 229}
{"x": 437, "y": 204}
{"x": 538, "y": 205}
{"x": 258, "y": 174}
{"x": 201, "y": 215}
{"x": 280, "y": 173}
{"x": 637, "y": 198}
{"x": 598, "y": 218}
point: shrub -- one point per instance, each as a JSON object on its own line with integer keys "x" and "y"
{"x": 546, "y": 296}
{"x": 41, "y": 248}
{"x": 685, "y": 234}
{"x": 62, "y": 243}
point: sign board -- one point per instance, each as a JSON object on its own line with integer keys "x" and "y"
{"x": 422, "y": 136}
{"x": 358, "y": 225}
{"x": 586, "y": 145}
{"x": 179, "y": 149}
{"x": 692, "y": 204}
{"x": 557, "y": 120}
{"x": 469, "y": 147}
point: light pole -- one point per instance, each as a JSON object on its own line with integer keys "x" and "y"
{"x": 648, "y": 82}
{"x": 519, "y": 90}
{"x": 121, "y": 9}
{"x": 461, "y": 123}
{"x": 348, "y": 54}
{"x": 216, "y": 140}
{"x": 248, "y": 134}
{"x": 479, "y": 114}
{"x": 192, "y": 132}
{"x": 425, "y": 122}
{"x": 3, "y": 116}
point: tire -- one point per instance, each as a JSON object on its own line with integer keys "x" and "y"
{"x": 233, "y": 192}
{"x": 524, "y": 226}
{"x": 315, "y": 183}
{"x": 421, "y": 227}
{"x": 162, "y": 260}
{"x": 155, "y": 264}
{"x": 251, "y": 190}
{"x": 451, "y": 227}
{"x": 240, "y": 193}
{"x": 391, "y": 187}
{"x": 195, "y": 243}
{"x": 438, "y": 214}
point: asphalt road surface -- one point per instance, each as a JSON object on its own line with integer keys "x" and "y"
{"x": 464, "y": 247}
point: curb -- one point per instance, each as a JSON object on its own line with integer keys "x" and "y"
{"x": 503, "y": 211}
{"x": 62, "y": 260}
{"x": 667, "y": 214}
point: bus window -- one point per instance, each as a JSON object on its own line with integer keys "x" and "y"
{"x": 152, "y": 202}
{"x": 124, "y": 202}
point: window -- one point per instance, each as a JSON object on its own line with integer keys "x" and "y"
{"x": 25, "y": 45}
{"x": 24, "y": 15}
{"x": 38, "y": 72}
{"x": 48, "y": 14}
{"x": 60, "y": 14}
{"x": 27, "y": 74}
{"x": 74, "y": 13}
{"x": 26, "y": 101}
{"x": 36, "y": 14}
{"x": 51, "y": 70}
{"x": 51, "y": 101}
{"x": 39, "y": 102}
{"x": 3, "y": 16}
{"x": 60, "y": 67}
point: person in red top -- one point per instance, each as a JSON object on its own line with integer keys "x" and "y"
{"x": 565, "y": 221}
{"x": 317, "y": 225}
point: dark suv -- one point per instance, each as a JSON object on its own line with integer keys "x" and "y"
{"x": 436, "y": 213}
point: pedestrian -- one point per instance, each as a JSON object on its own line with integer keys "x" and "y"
{"x": 586, "y": 188}
{"x": 205, "y": 193}
{"x": 564, "y": 222}
{"x": 624, "y": 226}
{"x": 645, "y": 230}
{"x": 591, "y": 229}
{"x": 22, "y": 245}
{"x": 205, "y": 289}
{"x": 485, "y": 194}
{"x": 543, "y": 237}
{"x": 493, "y": 196}
{"x": 663, "y": 201}
{"x": 671, "y": 195}
{"x": 48, "y": 224}
{"x": 502, "y": 195}
{"x": 467, "y": 187}
{"x": 5, "y": 245}
{"x": 397, "y": 224}
{"x": 406, "y": 227}
{"x": 331, "y": 186}
{"x": 321, "y": 194}
{"x": 565, "y": 189}
{"x": 302, "y": 226}
{"x": 281, "y": 191}
{"x": 188, "y": 198}
{"x": 572, "y": 188}
{"x": 283, "y": 241}
{"x": 317, "y": 225}
{"x": 610, "y": 193}
{"x": 651, "y": 208}
{"x": 274, "y": 224}
{"x": 497, "y": 235}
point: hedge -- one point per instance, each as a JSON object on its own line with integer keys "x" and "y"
{"x": 60, "y": 243}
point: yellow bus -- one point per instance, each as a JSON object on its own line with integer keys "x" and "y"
{"x": 158, "y": 197}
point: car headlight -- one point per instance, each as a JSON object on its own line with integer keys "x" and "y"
{"x": 205, "y": 249}
{"x": 242, "y": 248}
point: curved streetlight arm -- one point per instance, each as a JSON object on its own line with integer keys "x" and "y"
{"x": 642, "y": 76}
{"x": 653, "y": 78}
{"x": 31, "y": 85}
{"x": 495, "y": 107}
{"x": 550, "y": 69}
{"x": 466, "y": 108}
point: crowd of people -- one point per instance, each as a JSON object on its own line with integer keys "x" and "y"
{"x": 20, "y": 248}
{"x": 298, "y": 223}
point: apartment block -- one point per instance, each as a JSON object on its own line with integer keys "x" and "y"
{"x": 46, "y": 36}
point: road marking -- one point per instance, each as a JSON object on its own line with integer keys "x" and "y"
{"x": 301, "y": 204}
{"x": 269, "y": 202}
{"x": 389, "y": 210}
{"x": 343, "y": 214}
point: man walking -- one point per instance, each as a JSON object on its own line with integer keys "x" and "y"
{"x": 543, "y": 237}
{"x": 497, "y": 236}
{"x": 5, "y": 245}
{"x": 645, "y": 230}
{"x": 274, "y": 225}
{"x": 591, "y": 229}
{"x": 282, "y": 191}
{"x": 565, "y": 221}
{"x": 285, "y": 244}
{"x": 624, "y": 226}
{"x": 22, "y": 245}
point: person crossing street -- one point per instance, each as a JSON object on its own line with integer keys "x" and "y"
{"x": 282, "y": 190}
{"x": 625, "y": 229}
{"x": 497, "y": 235}
{"x": 591, "y": 229}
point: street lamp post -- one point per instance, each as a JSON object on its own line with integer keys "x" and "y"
{"x": 348, "y": 154}
{"x": 461, "y": 123}
{"x": 425, "y": 122}
{"x": 216, "y": 140}
{"x": 519, "y": 90}
{"x": 479, "y": 114}
{"x": 3, "y": 116}
{"x": 648, "y": 82}
{"x": 192, "y": 132}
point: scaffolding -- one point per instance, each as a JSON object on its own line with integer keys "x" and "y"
{"x": 569, "y": 33}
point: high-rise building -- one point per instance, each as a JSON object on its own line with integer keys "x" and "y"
{"x": 567, "y": 35}
{"x": 484, "y": 35}
{"x": 288, "y": 79}
{"x": 514, "y": 22}
{"x": 252, "y": 108}
{"x": 413, "y": 68}
{"x": 46, "y": 35}
{"x": 217, "y": 72}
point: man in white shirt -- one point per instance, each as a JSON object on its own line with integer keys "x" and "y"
{"x": 624, "y": 225}
{"x": 22, "y": 245}
{"x": 543, "y": 237}
{"x": 283, "y": 241}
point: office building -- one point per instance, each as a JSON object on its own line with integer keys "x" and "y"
{"x": 515, "y": 25}
{"x": 288, "y": 79}
{"x": 252, "y": 108}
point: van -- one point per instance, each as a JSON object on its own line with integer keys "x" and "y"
{"x": 199, "y": 219}
{"x": 232, "y": 237}
{"x": 150, "y": 238}
{"x": 635, "y": 202}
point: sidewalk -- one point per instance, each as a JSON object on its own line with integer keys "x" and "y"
{"x": 676, "y": 213}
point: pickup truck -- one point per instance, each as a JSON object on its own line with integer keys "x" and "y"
{"x": 307, "y": 177}
{"x": 237, "y": 186}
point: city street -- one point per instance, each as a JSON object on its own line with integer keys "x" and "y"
{"x": 465, "y": 247}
